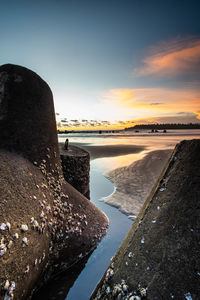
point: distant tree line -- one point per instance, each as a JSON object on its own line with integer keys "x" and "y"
{"x": 88, "y": 131}
{"x": 165, "y": 126}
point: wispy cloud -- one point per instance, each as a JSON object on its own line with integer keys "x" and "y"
{"x": 84, "y": 124}
{"x": 183, "y": 118}
{"x": 154, "y": 102}
{"x": 180, "y": 56}
{"x": 198, "y": 114}
{"x": 153, "y": 96}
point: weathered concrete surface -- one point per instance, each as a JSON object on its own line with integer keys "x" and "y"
{"x": 76, "y": 168}
{"x": 160, "y": 256}
{"x": 60, "y": 225}
{"x": 27, "y": 118}
{"x": 18, "y": 180}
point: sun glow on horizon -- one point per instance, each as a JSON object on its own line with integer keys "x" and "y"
{"x": 175, "y": 58}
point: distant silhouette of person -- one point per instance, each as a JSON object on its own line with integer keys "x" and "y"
{"x": 66, "y": 144}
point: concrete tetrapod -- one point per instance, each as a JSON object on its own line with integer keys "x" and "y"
{"x": 160, "y": 256}
{"x": 45, "y": 224}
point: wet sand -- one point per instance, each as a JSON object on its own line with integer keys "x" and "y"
{"x": 134, "y": 182}
{"x": 100, "y": 151}
{"x": 160, "y": 256}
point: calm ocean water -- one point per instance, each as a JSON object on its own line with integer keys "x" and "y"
{"x": 156, "y": 141}
{"x": 151, "y": 140}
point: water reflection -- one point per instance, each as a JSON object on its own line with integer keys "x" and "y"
{"x": 58, "y": 287}
{"x": 93, "y": 267}
{"x": 90, "y": 270}
{"x": 109, "y": 163}
{"x": 118, "y": 228}
{"x": 151, "y": 142}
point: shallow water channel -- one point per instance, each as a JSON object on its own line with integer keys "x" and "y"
{"x": 119, "y": 225}
{"x": 79, "y": 282}
{"x": 91, "y": 269}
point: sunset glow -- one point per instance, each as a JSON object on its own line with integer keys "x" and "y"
{"x": 110, "y": 64}
{"x": 171, "y": 58}
{"x": 155, "y": 104}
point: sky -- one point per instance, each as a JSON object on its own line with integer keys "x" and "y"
{"x": 109, "y": 63}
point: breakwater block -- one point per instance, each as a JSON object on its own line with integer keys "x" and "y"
{"x": 160, "y": 256}
{"x": 76, "y": 168}
{"x": 45, "y": 224}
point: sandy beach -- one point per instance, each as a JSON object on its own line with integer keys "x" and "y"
{"x": 134, "y": 182}
{"x": 100, "y": 151}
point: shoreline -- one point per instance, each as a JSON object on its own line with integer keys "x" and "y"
{"x": 102, "y": 151}
{"x": 134, "y": 182}
{"x": 157, "y": 250}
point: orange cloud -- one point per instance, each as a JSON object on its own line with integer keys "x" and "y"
{"x": 154, "y": 97}
{"x": 154, "y": 102}
{"x": 97, "y": 126}
{"x": 198, "y": 114}
{"x": 176, "y": 57}
{"x": 184, "y": 118}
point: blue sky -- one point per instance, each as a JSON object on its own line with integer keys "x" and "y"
{"x": 95, "y": 53}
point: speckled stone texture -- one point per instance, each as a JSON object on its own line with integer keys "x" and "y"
{"x": 27, "y": 124}
{"x": 76, "y": 168}
{"x": 61, "y": 225}
{"x": 160, "y": 256}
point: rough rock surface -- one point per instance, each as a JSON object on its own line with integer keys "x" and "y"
{"x": 76, "y": 168}
{"x": 160, "y": 256}
{"x": 45, "y": 224}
